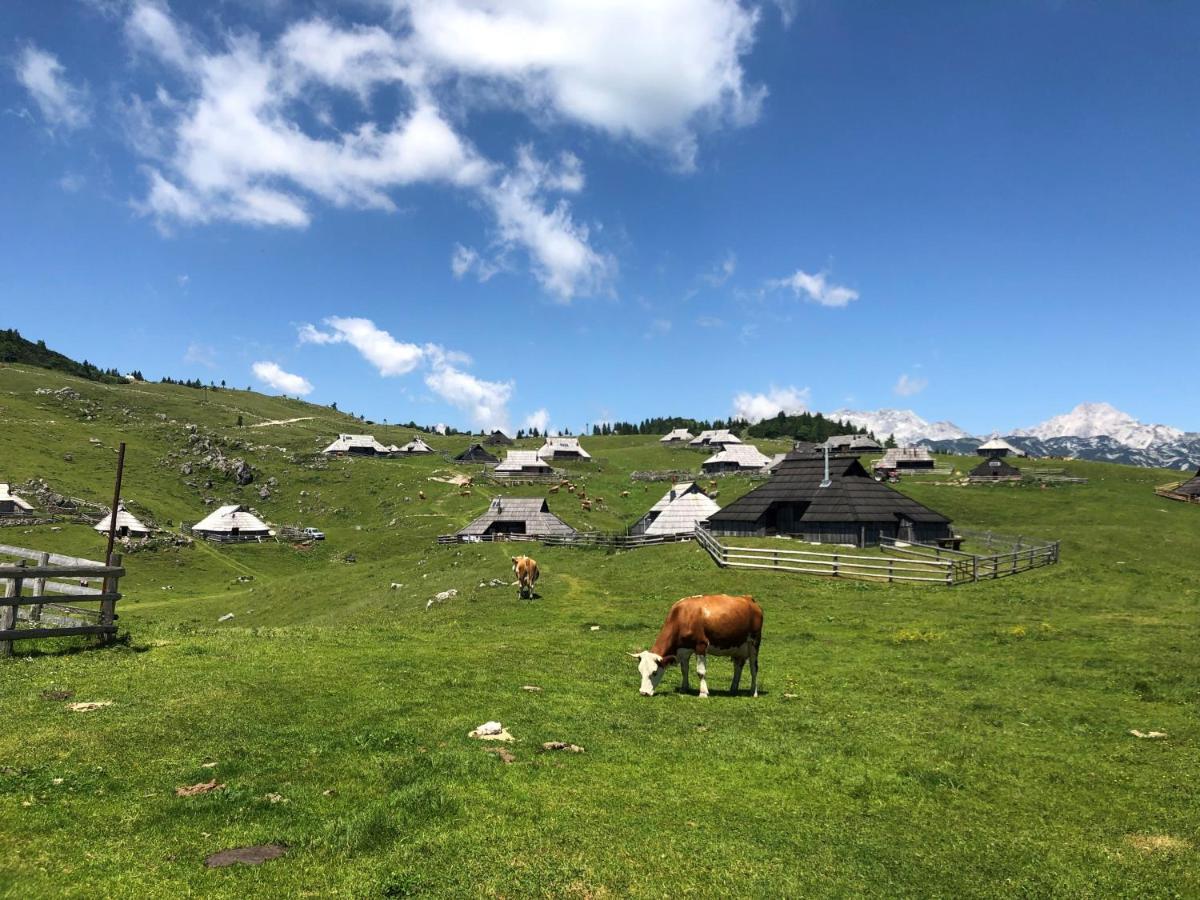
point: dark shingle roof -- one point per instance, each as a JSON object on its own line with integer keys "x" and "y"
{"x": 476, "y": 453}
{"x": 533, "y": 511}
{"x": 1190, "y": 488}
{"x": 852, "y": 496}
{"x": 995, "y": 468}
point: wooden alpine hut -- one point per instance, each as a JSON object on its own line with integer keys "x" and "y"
{"x": 736, "y": 458}
{"x": 994, "y": 468}
{"x": 231, "y": 524}
{"x": 128, "y": 525}
{"x": 356, "y": 445}
{"x": 498, "y": 439}
{"x": 563, "y": 448}
{"x": 998, "y": 448}
{"x": 476, "y": 454}
{"x": 830, "y": 501}
{"x": 676, "y": 436}
{"x": 678, "y": 512}
{"x": 716, "y": 437}
{"x": 516, "y": 515}
{"x": 414, "y": 447}
{"x": 11, "y": 504}
{"x": 523, "y": 462}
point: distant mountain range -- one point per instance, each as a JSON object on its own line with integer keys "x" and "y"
{"x": 1096, "y": 431}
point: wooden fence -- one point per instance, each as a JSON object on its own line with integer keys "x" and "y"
{"x": 970, "y": 567}
{"x": 836, "y": 565}
{"x": 41, "y": 610}
{"x": 898, "y": 561}
{"x": 610, "y": 540}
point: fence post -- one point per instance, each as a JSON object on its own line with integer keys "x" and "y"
{"x": 835, "y": 565}
{"x": 108, "y": 607}
{"x": 8, "y": 614}
{"x": 39, "y": 589}
{"x": 975, "y": 568}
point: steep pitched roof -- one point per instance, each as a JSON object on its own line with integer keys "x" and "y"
{"x": 534, "y": 512}
{"x": 1190, "y": 488}
{"x": 125, "y": 520}
{"x": 226, "y": 518}
{"x": 746, "y": 456}
{"x": 859, "y": 442}
{"x": 416, "y": 445}
{"x": 345, "y": 443}
{"x": 719, "y": 436}
{"x": 7, "y": 496}
{"x": 498, "y": 438}
{"x": 896, "y": 455}
{"x": 852, "y": 495}
{"x": 476, "y": 453}
{"x": 564, "y": 445}
{"x": 677, "y": 434}
{"x": 681, "y": 515}
{"x": 997, "y": 444}
{"x": 995, "y": 468}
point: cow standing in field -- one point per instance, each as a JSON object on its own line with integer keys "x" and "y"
{"x": 527, "y": 572}
{"x": 718, "y": 624}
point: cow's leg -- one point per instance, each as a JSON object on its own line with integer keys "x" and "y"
{"x": 754, "y": 669}
{"x": 738, "y": 662}
{"x": 701, "y": 671}
{"x": 683, "y": 655}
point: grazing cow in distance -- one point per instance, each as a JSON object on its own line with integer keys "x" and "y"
{"x": 718, "y": 624}
{"x": 554, "y": 490}
{"x": 527, "y": 572}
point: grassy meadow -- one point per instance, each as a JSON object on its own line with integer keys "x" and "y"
{"x": 909, "y": 741}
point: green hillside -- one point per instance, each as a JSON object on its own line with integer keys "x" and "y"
{"x": 909, "y": 741}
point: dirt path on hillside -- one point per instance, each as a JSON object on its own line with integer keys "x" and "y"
{"x": 281, "y": 422}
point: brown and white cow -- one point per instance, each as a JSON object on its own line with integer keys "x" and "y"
{"x": 527, "y": 572}
{"x": 716, "y": 624}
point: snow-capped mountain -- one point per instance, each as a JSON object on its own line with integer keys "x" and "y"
{"x": 1096, "y": 431}
{"x": 903, "y": 424}
{"x": 1093, "y": 420}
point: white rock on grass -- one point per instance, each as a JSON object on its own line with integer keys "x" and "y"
{"x": 491, "y": 731}
{"x": 226, "y": 617}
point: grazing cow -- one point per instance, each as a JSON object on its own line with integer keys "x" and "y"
{"x": 554, "y": 490}
{"x": 527, "y": 572}
{"x": 586, "y": 505}
{"x": 718, "y": 624}
{"x": 421, "y": 494}
{"x": 624, "y": 493}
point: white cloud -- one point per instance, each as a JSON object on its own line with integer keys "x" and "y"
{"x": 285, "y": 382}
{"x": 237, "y": 144}
{"x": 43, "y": 76}
{"x": 756, "y": 407}
{"x": 816, "y": 288}
{"x": 72, "y": 182}
{"x": 486, "y": 402}
{"x": 908, "y": 385}
{"x": 678, "y": 69}
{"x": 378, "y": 347}
{"x": 560, "y": 255}
{"x": 710, "y": 322}
{"x": 658, "y": 328}
{"x": 722, "y": 272}
{"x": 539, "y": 419}
{"x": 201, "y": 354}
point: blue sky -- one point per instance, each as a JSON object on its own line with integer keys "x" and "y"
{"x": 486, "y": 212}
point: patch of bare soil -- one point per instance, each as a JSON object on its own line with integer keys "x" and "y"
{"x": 57, "y": 695}
{"x": 562, "y": 745}
{"x": 280, "y": 422}
{"x": 505, "y": 756}
{"x": 245, "y": 856}
{"x": 203, "y": 787}
{"x": 1157, "y": 843}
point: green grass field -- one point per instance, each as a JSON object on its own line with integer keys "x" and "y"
{"x": 909, "y": 741}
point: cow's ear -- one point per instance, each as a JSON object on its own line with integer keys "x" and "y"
{"x": 514, "y": 560}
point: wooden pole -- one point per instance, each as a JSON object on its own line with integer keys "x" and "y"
{"x": 112, "y": 519}
{"x": 8, "y": 614}
{"x": 108, "y": 607}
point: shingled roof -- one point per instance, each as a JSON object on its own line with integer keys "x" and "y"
{"x": 995, "y": 467}
{"x": 127, "y": 522}
{"x": 476, "y": 454}
{"x": 531, "y": 514}
{"x": 853, "y": 496}
{"x": 498, "y": 439}
{"x": 1190, "y": 488}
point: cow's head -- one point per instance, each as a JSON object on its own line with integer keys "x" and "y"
{"x": 651, "y": 667}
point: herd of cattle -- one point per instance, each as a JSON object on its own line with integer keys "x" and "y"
{"x": 707, "y": 624}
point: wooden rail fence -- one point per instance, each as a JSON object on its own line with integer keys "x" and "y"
{"x": 41, "y": 610}
{"x": 614, "y": 541}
